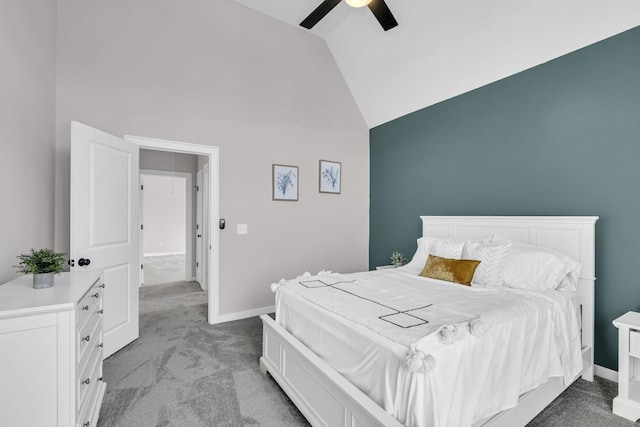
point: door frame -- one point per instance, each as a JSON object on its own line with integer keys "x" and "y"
{"x": 206, "y": 223}
{"x": 199, "y": 219}
{"x": 212, "y": 270}
{"x": 188, "y": 219}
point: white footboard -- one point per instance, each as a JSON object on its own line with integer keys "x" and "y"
{"x": 323, "y": 396}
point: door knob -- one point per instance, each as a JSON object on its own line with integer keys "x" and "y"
{"x": 84, "y": 261}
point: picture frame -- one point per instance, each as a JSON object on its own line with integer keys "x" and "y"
{"x": 330, "y": 177}
{"x": 284, "y": 182}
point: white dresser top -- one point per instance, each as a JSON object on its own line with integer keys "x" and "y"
{"x": 19, "y": 297}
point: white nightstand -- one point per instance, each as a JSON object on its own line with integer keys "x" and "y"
{"x": 627, "y": 402}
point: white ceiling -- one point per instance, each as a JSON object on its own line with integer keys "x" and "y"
{"x": 442, "y": 49}
{"x": 294, "y": 11}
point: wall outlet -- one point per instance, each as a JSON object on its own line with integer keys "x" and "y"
{"x": 242, "y": 229}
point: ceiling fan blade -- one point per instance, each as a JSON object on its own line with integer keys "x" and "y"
{"x": 383, "y": 14}
{"x": 319, "y": 13}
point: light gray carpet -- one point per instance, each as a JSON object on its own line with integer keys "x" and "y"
{"x": 584, "y": 404}
{"x": 161, "y": 269}
{"x": 184, "y": 372}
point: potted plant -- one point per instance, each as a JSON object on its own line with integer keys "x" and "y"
{"x": 43, "y": 264}
{"x": 398, "y": 259}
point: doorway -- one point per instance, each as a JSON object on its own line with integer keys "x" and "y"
{"x": 210, "y": 255}
{"x": 166, "y": 233}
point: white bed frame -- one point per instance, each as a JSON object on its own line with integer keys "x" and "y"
{"x": 325, "y": 398}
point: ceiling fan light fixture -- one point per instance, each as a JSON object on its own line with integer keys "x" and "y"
{"x": 379, "y": 9}
{"x": 358, "y": 3}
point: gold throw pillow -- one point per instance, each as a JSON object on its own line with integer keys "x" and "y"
{"x": 452, "y": 270}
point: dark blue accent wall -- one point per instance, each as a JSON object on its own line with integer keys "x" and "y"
{"x": 562, "y": 138}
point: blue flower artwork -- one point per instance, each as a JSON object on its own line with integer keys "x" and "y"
{"x": 330, "y": 177}
{"x": 285, "y": 182}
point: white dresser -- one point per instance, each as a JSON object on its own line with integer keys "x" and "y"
{"x": 51, "y": 351}
{"x": 627, "y": 403}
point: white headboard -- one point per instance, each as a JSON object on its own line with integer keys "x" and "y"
{"x": 572, "y": 235}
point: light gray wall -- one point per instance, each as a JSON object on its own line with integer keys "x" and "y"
{"x": 202, "y": 160}
{"x": 218, "y": 73}
{"x": 164, "y": 214}
{"x": 27, "y": 121}
{"x": 161, "y": 161}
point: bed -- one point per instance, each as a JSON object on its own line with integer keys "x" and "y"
{"x": 327, "y": 398}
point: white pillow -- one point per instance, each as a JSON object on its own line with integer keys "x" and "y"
{"x": 447, "y": 248}
{"x": 569, "y": 283}
{"x": 536, "y": 267}
{"x": 490, "y": 271}
{"x": 439, "y": 247}
{"x": 422, "y": 253}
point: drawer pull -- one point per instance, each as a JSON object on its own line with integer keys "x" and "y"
{"x": 87, "y": 381}
{"x": 100, "y": 379}
{"x": 102, "y": 286}
{"x": 87, "y": 424}
{"x": 86, "y": 307}
{"x": 101, "y": 311}
{"x": 96, "y": 295}
{"x": 87, "y": 338}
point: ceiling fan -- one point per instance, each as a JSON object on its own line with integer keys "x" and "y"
{"x": 378, "y": 7}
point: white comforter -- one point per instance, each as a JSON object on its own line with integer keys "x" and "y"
{"x": 529, "y": 337}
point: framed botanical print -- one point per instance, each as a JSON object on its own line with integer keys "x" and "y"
{"x": 330, "y": 176}
{"x": 285, "y": 182}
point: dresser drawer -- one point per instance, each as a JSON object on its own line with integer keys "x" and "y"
{"x": 88, "y": 304}
{"x": 89, "y": 342}
{"x": 84, "y": 309}
{"x": 89, "y": 415}
{"x": 88, "y": 379}
{"x": 86, "y": 417}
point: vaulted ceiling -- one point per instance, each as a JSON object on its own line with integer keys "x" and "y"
{"x": 441, "y": 49}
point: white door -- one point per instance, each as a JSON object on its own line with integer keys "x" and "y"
{"x": 199, "y": 231}
{"x": 104, "y": 225}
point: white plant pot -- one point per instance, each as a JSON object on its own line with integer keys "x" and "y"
{"x": 43, "y": 280}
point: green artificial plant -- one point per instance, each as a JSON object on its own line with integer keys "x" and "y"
{"x": 41, "y": 261}
{"x": 398, "y": 258}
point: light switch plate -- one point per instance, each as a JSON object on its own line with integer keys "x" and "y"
{"x": 242, "y": 229}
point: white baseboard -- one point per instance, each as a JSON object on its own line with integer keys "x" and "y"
{"x": 162, "y": 254}
{"x": 245, "y": 314}
{"x": 606, "y": 373}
